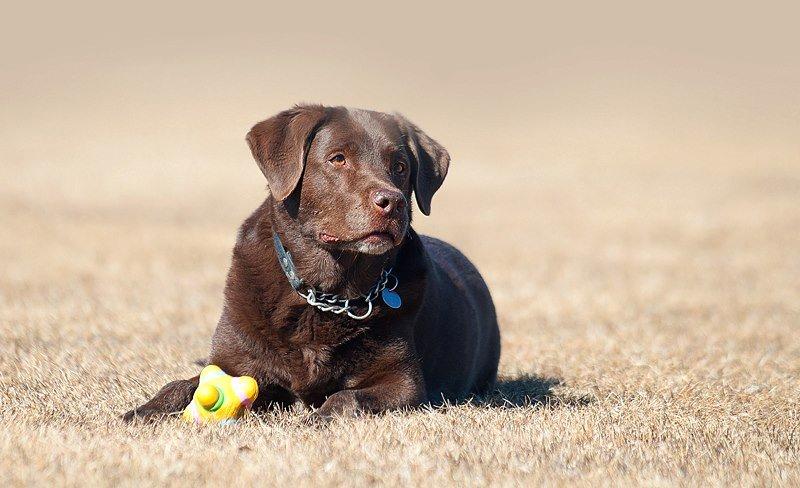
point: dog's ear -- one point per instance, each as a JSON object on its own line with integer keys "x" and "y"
{"x": 429, "y": 164}
{"x": 280, "y": 143}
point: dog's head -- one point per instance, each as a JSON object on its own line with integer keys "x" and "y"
{"x": 346, "y": 175}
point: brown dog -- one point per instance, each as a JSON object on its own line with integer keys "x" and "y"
{"x": 419, "y": 325}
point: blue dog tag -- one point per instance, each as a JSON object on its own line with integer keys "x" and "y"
{"x": 391, "y": 298}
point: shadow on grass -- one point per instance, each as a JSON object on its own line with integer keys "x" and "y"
{"x": 527, "y": 391}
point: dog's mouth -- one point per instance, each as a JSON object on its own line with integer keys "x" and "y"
{"x": 373, "y": 242}
{"x": 377, "y": 237}
{"x": 374, "y": 236}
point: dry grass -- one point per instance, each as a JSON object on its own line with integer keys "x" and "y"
{"x": 649, "y": 315}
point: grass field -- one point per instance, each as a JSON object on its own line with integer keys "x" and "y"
{"x": 649, "y": 315}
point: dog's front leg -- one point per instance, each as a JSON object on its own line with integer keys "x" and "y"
{"x": 172, "y": 398}
{"x": 392, "y": 391}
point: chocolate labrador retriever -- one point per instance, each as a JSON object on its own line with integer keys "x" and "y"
{"x": 332, "y": 299}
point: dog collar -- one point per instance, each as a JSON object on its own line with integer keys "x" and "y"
{"x": 329, "y": 302}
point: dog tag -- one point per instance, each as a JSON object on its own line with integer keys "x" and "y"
{"x": 391, "y": 298}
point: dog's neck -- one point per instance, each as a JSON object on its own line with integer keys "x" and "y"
{"x": 346, "y": 274}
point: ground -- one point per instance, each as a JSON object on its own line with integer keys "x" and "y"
{"x": 649, "y": 317}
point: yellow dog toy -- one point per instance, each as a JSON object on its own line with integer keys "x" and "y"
{"x": 220, "y": 397}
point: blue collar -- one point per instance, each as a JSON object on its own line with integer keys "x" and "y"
{"x": 328, "y": 302}
{"x": 287, "y": 265}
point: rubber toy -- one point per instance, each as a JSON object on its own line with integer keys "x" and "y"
{"x": 220, "y": 398}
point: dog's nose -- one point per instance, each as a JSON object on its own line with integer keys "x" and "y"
{"x": 388, "y": 200}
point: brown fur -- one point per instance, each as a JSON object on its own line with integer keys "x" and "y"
{"x": 341, "y": 181}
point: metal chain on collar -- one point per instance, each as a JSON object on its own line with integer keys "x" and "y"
{"x": 328, "y": 302}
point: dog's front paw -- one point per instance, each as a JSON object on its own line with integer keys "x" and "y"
{"x": 322, "y": 418}
{"x": 171, "y": 399}
{"x": 142, "y": 415}
{"x": 315, "y": 419}
{"x": 339, "y": 405}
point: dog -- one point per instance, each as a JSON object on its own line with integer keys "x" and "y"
{"x": 332, "y": 299}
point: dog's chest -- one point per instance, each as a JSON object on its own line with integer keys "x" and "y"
{"x": 322, "y": 352}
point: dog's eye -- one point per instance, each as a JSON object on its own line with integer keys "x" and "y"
{"x": 337, "y": 160}
{"x": 399, "y": 167}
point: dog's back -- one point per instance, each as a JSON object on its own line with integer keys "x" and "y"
{"x": 457, "y": 333}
